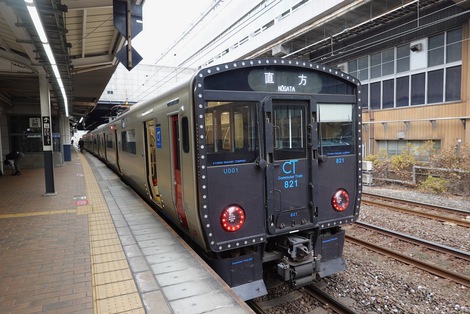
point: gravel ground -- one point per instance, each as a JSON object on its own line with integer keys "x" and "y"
{"x": 375, "y": 284}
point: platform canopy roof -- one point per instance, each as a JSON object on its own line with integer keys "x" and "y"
{"x": 83, "y": 40}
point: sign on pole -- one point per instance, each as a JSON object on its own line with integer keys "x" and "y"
{"x": 128, "y": 22}
{"x": 46, "y": 131}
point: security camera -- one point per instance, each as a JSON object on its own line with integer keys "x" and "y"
{"x": 416, "y": 47}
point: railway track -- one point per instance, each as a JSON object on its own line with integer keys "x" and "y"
{"x": 326, "y": 301}
{"x": 421, "y": 263}
{"x": 440, "y": 260}
{"x": 456, "y": 216}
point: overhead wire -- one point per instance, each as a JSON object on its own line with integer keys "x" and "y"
{"x": 160, "y": 83}
{"x": 364, "y": 44}
{"x": 193, "y": 65}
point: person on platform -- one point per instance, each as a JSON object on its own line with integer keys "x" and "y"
{"x": 14, "y": 159}
{"x": 81, "y": 144}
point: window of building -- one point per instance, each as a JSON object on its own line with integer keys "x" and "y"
{"x": 375, "y": 95}
{"x": 392, "y": 84}
{"x": 417, "y": 89}
{"x": 364, "y": 94}
{"x": 435, "y": 86}
{"x": 454, "y": 45}
{"x": 403, "y": 91}
{"x": 388, "y": 62}
{"x": 395, "y": 147}
{"x": 375, "y": 66}
{"x": 436, "y": 50}
{"x": 403, "y": 58}
{"x": 388, "y": 94}
{"x": 363, "y": 68}
{"x": 352, "y": 68}
{"x": 453, "y": 85}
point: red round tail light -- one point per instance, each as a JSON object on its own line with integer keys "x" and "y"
{"x": 340, "y": 200}
{"x": 232, "y": 218}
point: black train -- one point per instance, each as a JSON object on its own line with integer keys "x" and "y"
{"x": 257, "y": 161}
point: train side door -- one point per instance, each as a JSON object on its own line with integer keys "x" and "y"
{"x": 152, "y": 139}
{"x": 105, "y": 146}
{"x": 290, "y": 167}
{"x": 176, "y": 161}
{"x": 116, "y": 141}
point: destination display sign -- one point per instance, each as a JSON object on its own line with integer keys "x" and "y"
{"x": 281, "y": 80}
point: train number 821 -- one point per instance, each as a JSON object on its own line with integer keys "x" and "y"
{"x": 289, "y": 184}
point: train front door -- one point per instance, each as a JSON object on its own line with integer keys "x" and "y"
{"x": 176, "y": 161}
{"x": 289, "y": 147}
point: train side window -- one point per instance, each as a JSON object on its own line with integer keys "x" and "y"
{"x": 185, "y": 129}
{"x": 336, "y": 129}
{"x": 109, "y": 141}
{"x": 128, "y": 141}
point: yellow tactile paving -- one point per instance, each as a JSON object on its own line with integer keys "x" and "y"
{"x": 114, "y": 289}
{"x": 109, "y": 242}
{"x": 112, "y": 266}
{"x": 108, "y": 257}
{"x": 117, "y": 276}
{"x": 122, "y": 303}
{"x": 106, "y": 249}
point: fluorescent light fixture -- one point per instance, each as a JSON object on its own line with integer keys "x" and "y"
{"x": 147, "y": 112}
{"x": 81, "y": 120}
{"x": 49, "y": 53}
{"x": 33, "y": 12}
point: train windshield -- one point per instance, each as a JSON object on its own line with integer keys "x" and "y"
{"x": 289, "y": 125}
{"x": 231, "y": 132}
{"x": 336, "y": 129}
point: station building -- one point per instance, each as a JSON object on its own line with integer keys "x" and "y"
{"x": 411, "y": 57}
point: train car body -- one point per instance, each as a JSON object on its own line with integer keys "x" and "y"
{"x": 257, "y": 161}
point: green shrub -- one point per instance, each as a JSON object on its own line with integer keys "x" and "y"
{"x": 403, "y": 164}
{"x": 434, "y": 185}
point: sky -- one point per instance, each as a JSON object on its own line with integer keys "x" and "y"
{"x": 163, "y": 23}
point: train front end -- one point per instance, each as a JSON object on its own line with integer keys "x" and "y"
{"x": 279, "y": 168}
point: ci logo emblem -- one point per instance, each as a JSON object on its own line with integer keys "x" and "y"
{"x": 289, "y": 166}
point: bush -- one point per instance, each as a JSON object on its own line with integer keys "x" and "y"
{"x": 434, "y": 185}
{"x": 455, "y": 160}
{"x": 449, "y": 167}
{"x": 403, "y": 164}
{"x": 380, "y": 163}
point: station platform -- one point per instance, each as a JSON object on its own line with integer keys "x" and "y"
{"x": 96, "y": 247}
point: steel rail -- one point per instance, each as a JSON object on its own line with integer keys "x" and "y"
{"x": 328, "y": 300}
{"x": 438, "y": 271}
{"x": 255, "y": 307}
{"x": 450, "y": 210}
{"x": 427, "y": 244}
{"x": 460, "y": 222}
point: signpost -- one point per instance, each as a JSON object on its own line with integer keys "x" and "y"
{"x": 46, "y": 131}
{"x": 128, "y": 22}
